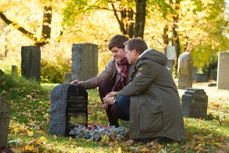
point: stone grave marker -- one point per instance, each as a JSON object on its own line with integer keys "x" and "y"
{"x": 194, "y": 103}
{"x": 68, "y": 108}
{"x": 14, "y": 70}
{"x": 184, "y": 71}
{"x": 84, "y": 61}
{"x": 223, "y": 71}
{"x": 30, "y": 62}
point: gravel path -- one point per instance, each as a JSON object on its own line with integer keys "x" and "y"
{"x": 214, "y": 94}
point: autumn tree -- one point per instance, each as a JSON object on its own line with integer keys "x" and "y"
{"x": 130, "y": 14}
{"x": 46, "y": 25}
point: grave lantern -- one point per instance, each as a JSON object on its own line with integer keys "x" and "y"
{"x": 76, "y": 108}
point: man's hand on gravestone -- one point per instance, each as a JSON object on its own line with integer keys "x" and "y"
{"x": 77, "y": 82}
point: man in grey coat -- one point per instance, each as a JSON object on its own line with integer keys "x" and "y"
{"x": 150, "y": 99}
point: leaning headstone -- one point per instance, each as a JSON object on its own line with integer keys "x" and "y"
{"x": 223, "y": 71}
{"x": 4, "y": 123}
{"x": 14, "y": 70}
{"x": 184, "y": 70}
{"x": 68, "y": 108}
{"x": 194, "y": 103}
{"x": 67, "y": 77}
{"x": 84, "y": 61}
{"x": 30, "y": 62}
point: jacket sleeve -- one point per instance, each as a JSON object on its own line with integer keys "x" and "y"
{"x": 145, "y": 75}
{"x": 95, "y": 81}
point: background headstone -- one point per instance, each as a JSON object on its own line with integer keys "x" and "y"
{"x": 67, "y": 77}
{"x": 14, "y": 70}
{"x": 58, "y": 109}
{"x": 84, "y": 61}
{"x": 171, "y": 56}
{"x": 194, "y": 103}
{"x": 30, "y": 62}
{"x": 185, "y": 70}
{"x": 4, "y": 123}
{"x": 223, "y": 71}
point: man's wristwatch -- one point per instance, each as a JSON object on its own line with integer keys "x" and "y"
{"x": 115, "y": 99}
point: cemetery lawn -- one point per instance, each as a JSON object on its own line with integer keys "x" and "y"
{"x": 29, "y": 123}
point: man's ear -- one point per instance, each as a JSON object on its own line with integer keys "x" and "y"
{"x": 135, "y": 52}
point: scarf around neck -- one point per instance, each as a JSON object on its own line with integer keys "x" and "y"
{"x": 122, "y": 68}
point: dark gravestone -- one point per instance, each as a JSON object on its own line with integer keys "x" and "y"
{"x": 4, "y": 123}
{"x": 84, "y": 61}
{"x": 194, "y": 103}
{"x": 30, "y": 62}
{"x": 68, "y": 108}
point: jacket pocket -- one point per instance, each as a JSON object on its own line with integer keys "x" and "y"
{"x": 150, "y": 119}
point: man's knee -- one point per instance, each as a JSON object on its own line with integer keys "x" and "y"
{"x": 118, "y": 112}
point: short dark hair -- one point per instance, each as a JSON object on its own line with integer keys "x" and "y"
{"x": 136, "y": 43}
{"x": 117, "y": 41}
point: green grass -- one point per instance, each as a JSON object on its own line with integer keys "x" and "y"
{"x": 29, "y": 124}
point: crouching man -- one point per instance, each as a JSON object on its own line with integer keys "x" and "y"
{"x": 150, "y": 101}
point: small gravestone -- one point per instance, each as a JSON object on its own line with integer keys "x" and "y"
{"x": 14, "y": 70}
{"x": 4, "y": 123}
{"x": 84, "y": 61}
{"x": 171, "y": 56}
{"x": 223, "y": 71}
{"x": 184, "y": 70}
{"x": 194, "y": 103}
{"x": 67, "y": 77}
{"x": 68, "y": 108}
{"x": 30, "y": 62}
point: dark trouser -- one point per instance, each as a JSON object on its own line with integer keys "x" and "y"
{"x": 114, "y": 112}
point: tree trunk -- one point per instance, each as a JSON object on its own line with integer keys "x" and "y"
{"x": 125, "y": 20}
{"x": 175, "y": 36}
{"x": 140, "y": 18}
{"x": 120, "y": 22}
{"x": 130, "y": 28}
{"x": 47, "y": 19}
{"x": 46, "y": 26}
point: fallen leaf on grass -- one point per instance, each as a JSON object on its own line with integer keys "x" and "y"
{"x": 130, "y": 142}
{"x": 42, "y": 140}
{"x": 29, "y": 147}
{"x": 30, "y": 133}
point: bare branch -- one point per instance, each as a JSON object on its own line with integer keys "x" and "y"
{"x": 22, "y": 30}
{"x": 119, "y": 21}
